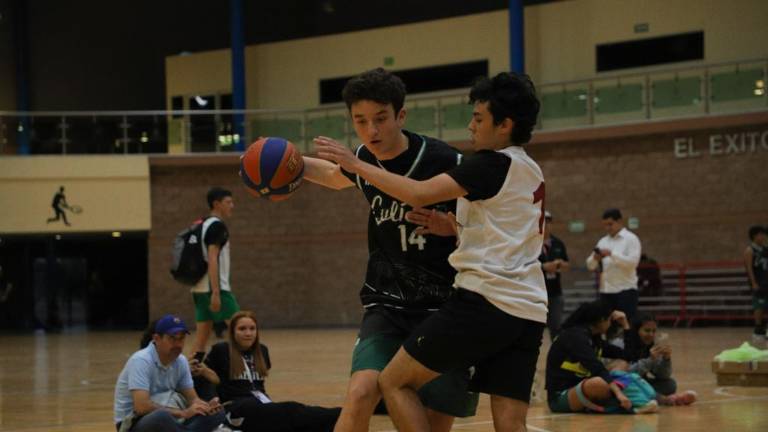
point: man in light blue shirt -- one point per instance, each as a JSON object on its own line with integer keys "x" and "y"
{"x": 148, "y": 388}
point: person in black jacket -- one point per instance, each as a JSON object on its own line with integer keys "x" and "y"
{"x": 577, "y": 380}
{"x": 238, "y": 368}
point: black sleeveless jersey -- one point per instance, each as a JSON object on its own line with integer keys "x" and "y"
{"x": 406, "y": 271}
{"x": 760, "y": 265}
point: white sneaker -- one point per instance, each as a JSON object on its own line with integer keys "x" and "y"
{"x": 649, "y": 408}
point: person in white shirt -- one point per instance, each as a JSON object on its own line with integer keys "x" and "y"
{"x": 496, "y": 318}
{"x": 615, "y": 258}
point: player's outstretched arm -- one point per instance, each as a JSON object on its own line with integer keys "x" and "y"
{"x": 416, "y": 193}
{"x": 325, "y": 173}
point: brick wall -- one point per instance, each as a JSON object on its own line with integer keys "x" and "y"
{"x": 301, "y": 262}
{"x": 689, "y": 209}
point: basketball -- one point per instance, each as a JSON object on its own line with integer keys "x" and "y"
{"x": 272, "y": 168}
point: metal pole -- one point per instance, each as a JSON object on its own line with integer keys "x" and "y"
{"x": 516, "y": 36}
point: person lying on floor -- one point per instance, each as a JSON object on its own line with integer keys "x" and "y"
{"x": 238, "y": 369}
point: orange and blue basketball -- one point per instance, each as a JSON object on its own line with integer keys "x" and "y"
{"x": 272, "y": 168}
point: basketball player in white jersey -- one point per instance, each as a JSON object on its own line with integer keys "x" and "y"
{"x": 496, "y": 320}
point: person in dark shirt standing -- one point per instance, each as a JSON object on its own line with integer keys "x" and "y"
{"x": 756, "y": 263}
{"x": 554, "y": 259}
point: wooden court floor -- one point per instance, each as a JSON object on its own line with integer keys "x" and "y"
{"x": 65, "y": 382}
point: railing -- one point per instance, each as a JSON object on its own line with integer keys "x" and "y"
{"x": 608, "y": 99}
{"x": 681, "y": 292}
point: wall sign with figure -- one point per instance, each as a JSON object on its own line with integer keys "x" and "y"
{"x": 48, "y": 194}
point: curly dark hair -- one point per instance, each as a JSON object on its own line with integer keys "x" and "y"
{"x": 376, "y": 85}
{"x": 509, "y": 95}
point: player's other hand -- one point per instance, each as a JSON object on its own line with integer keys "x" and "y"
{"x": 334, "y": 151}
{"x": 431, "y": 221}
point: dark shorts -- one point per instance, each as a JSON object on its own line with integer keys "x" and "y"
{"x": 760, "y": 299}
{"x": 382, "y": 332}
{"x": 470, "y": 331}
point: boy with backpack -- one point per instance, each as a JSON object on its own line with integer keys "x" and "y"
{"x": 212, "y": 294}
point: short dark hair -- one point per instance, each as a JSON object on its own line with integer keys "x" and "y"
{"x": 509, "y": 95}
{"x": 612, "y": 213}
{"x": 755, "y": 230}
{"x": 217, "y": 194}
{"x": 376, "y": 85}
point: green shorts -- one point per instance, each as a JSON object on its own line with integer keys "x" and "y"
{"x": 447, "y": 394}
{"x": 760, "y": 301}
{"x": 203, "y": 312}
{"x": 559, "y": 403}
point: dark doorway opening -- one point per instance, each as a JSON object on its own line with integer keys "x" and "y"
{"x": 55, "y": 282}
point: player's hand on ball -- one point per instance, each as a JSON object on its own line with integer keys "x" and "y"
{"x": 334, "y": 151}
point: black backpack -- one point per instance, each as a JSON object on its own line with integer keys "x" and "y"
{"x": 189, "y": 264}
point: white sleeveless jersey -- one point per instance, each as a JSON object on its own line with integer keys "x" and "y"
{"x": 204, "y": 285}
{"x": 500, "y": 240}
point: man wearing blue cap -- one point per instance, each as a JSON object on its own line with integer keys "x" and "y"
{"x": 154, "y": 392}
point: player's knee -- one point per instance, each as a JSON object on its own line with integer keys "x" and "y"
{"x": 596, "y": 388}
{"x": 364, "y": 393}
{"x": 389, "y": 381}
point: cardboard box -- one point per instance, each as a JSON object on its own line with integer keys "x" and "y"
{"x": 746, "y": 374}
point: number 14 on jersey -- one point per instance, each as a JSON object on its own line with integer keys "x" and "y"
{"x": 412, "y": 239}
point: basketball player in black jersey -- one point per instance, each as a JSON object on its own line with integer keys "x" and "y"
{"x": 756, "y": 262}
{"x": 408, "y": 275}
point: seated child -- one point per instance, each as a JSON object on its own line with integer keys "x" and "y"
{"x": 577, "y": 379}
{"x": 653, "y": 361}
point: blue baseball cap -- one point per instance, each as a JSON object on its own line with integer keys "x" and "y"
{"x": 170, "y": 325}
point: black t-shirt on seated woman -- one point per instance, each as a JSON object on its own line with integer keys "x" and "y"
{"x": 248, "y": 385}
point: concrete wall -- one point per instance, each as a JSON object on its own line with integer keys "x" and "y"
{"x": 560, "y": 41}
{"x": 561, "y": 36}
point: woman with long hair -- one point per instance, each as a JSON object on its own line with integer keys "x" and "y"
{"x": 577, "y": 380}
{"x": 653, "y": 361}
{"x": 238, "y": 369}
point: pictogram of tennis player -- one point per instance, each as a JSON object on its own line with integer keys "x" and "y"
{"x": 59, "y": 204}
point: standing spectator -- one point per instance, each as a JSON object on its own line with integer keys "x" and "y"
{"x": 616, "y": 257}
{"x": 213, "y": 296}
{"x": 554, "y": 259}
{"x": 146, "y": 390}
{"x": 756, "y": 262}
{"x": 649, "y": 276}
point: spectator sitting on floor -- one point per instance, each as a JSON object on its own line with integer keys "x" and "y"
{"x": 238, "y": 369}
{"x": 653, "y": 361}
{"x": 154, "y": 391}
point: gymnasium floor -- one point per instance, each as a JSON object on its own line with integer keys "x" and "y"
{"x": 65, "y": 382}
